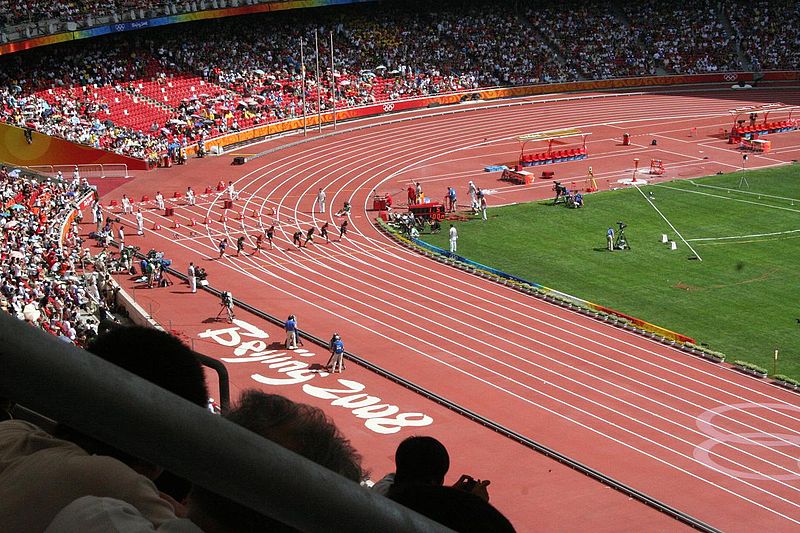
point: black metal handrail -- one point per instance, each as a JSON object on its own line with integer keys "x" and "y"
{"x": 79, "y": 389}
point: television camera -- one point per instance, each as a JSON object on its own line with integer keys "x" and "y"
{"x": 226, "y": 305}
{"x": 621, "y": 241}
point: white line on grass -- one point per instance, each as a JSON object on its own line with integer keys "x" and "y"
{"x": 678, "y": 233}
{"x": 769, "y": 206}
{"x": 739, "y": 191}
{"x": 747, "y": 236}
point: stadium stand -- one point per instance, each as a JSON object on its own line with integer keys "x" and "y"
{"x": 139, "y": 93}
{"x": 50, "y": 282}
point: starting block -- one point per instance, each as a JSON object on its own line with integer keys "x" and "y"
{"x": 192, "y": 222}
{"x": 206, "y": 222}
{"x": 156, "y": 226}
{"x": 145, "y": 198}
{"x": 208, "y": 190}
{"x": 113, "y": 203}
{"x": 221, "y": 186}
{"x": 177, "y": 195}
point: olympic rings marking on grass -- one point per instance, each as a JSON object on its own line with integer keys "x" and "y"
{"x": 771, "y": 440}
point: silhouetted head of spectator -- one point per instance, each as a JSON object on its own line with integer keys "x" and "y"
{"x": 456, "y": 509}
{"x": 421, "y": 460}
{"x": 155, "y": 356}
{"x": 301, "y": 428}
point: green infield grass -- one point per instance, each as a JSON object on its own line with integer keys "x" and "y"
{"x": 742, "y": 298}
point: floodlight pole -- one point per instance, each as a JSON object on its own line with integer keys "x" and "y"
{"x": 333, "y": 85}
{"x": 303, "y": 85}
{"x": 319, "y": 87}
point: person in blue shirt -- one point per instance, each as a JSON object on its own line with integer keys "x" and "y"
{"x": 451, "y": 193}
{"x": 610, "y": 239}
{"x": 337, "y": 352}
{"x": 291, "y": 332}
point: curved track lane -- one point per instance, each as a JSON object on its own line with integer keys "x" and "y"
{"x": 704, "y": 439}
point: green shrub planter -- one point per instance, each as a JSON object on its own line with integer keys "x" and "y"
{"x": 711, "y": 356}
{"x": 750, "y": 369}
{"x": 786, "y": 382}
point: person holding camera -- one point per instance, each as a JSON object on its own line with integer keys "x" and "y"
{"x": 424, "y": 461}
{"x": 291, "y": 332}
{"x": 337, "y": 353}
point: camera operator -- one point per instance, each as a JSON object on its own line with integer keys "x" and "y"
{"x": 226, "y": 305}
{"x": 561, "y": 192}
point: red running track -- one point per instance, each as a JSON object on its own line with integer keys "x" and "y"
{"x": 715, "y": 444}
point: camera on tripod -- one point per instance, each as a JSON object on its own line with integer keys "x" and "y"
{"x": 226, "y": 305}
{"x": 621, "y": 241}
{"x": 226, "y": 299}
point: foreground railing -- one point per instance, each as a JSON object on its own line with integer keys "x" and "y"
{"x": 107, "y": 170}
{"x": 74, "y": 387}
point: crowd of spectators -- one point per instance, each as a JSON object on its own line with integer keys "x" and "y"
{"x": 766, "y": 32}
{"x": 57, "y": 286}
{"x": 593, "y": 41}
{"x": 128, "y": 93}
{"x": 685, "y": 39}
{"x": 16, "y": 12}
